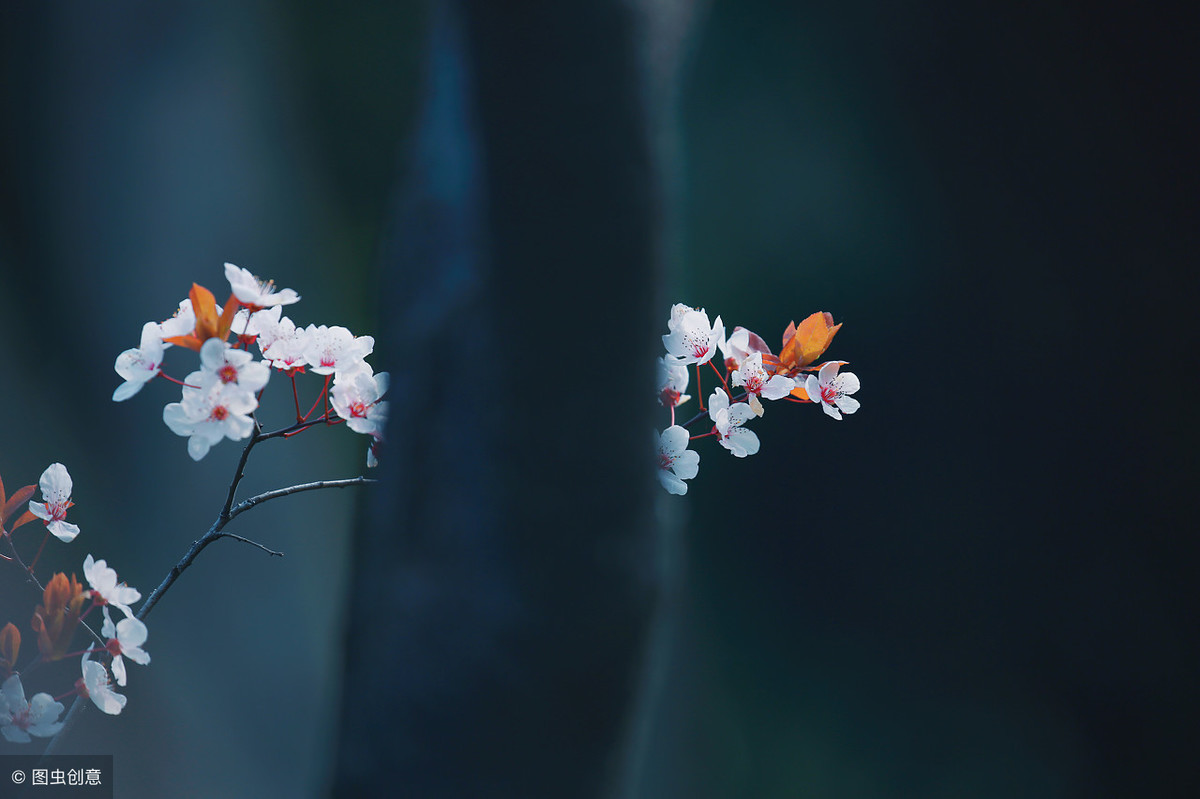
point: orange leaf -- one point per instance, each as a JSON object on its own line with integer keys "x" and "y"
{"x": 804, "y": 344}
{"x": 26, "y": 518}
{"x": 10, "y": 647}
{"x": 22, "y": 495}
{"x": 226, "y": 320}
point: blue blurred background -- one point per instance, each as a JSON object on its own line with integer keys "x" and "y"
{"x": 980, "y": 585}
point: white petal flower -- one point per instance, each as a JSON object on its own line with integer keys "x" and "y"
{"x": 728, "y": 420}
{"x": 741, "y": 345}
{"x": 672, "y": 382}
{"x": 692, "y": 339}
{"x": 752, "y": 375}
{"x": 221, "y": 363}
{"x": 104, "y": 582}
{"x": 98, "y": 688}
{"x": 832, "y": 389}
{"x": 182, "y": 323}
{"x": 676, "y": 462}
{"x": 335, "y": 349}
{"x": 125, "y": 641}
{"x": 56, "y": 495}
{"x": 20, "y": 719}
{"x": 357, "y": 398}
{"x": 138, "y": 366}
{"x": 208, "y": 414}
{"x": 251, "y": 291}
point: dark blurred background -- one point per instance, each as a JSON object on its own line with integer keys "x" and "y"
{"x": 980, "y": 585}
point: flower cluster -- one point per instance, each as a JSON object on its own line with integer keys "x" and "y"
{"x": 219, "y": 399}
{"x": 65, "y": 604}
{"x": 749, "y": 373}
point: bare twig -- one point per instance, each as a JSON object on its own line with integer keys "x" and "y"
{"x": 270, "y": 552}
{"x": 228, "y": 512}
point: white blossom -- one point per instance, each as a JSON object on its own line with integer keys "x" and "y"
{"x": 831, "y": 389}
{"x": 56, "y": 495}
{"x": 728, "y": 420}
{"x": 676, "y": 462}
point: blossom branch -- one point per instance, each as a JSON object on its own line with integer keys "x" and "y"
{"x": 214, "y": 532}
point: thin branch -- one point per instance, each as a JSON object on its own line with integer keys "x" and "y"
{"x": 240, "y": 472}
{"x": 270, "y": 552}
{"x": 246, "y": 505}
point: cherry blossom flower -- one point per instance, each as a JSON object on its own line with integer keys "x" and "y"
{"x": 251, "y": 291}
{"x": 676, "y": 462}
{"x": 182, "y": 323}
{"x": 210, "y": 413}
{"x": 139, "y": 366}
{"x": 335, "y": 349}
{"x": 692, "y": 339}
{"x": 20, "y": 719}
{"x": 356, "y": 396}
{"x": 221, "y": 363}
{"x": 125, "y": 639}
{"x": 728, "y": 420}
{"x": 831, "y": 389}
{"x": 56, "y": 496}
{"x": 284, "y": 345}
{"x": 740, "y": 345}
{"x": 672, "y": 382}
{"x": 96, "y": 686}
{"x": 105, "y": 588}
{"x": 757, "y": 384}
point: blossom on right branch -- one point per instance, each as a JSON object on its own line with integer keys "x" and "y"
{"x": 676, "y": 462}
{"x": 831, "y": 389}
{"x": 728, "y": 420}
{"x": 754, "y": 378}
{"x": 692, "y": 339}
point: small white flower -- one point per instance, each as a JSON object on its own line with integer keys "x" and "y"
{"x": 125, "y": 641}
{"x": 335, "y": 349}
{"x": 672, "y": 382}
{"x": 206, "y": 415}
{"x": 752, "y": 375}
{"x": 676, "y": 462}
{"x": 692, "y": 339}
{"x": 357, "y": 398}
{"x": 97, "y": 687}
{"x": 104, "y": 582}
{"x": 139, "y": 366}
{"x": 56, "y": 495}
{"x": 728, "y": 420}
{"x": 182, "y": 323}
{"x": 221, "y": 363}
{"x": 251, "y": 291}
{"x": 20, "y": 719}
{"x": 831, "y": 389}
{"x": 741, "y": 344}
